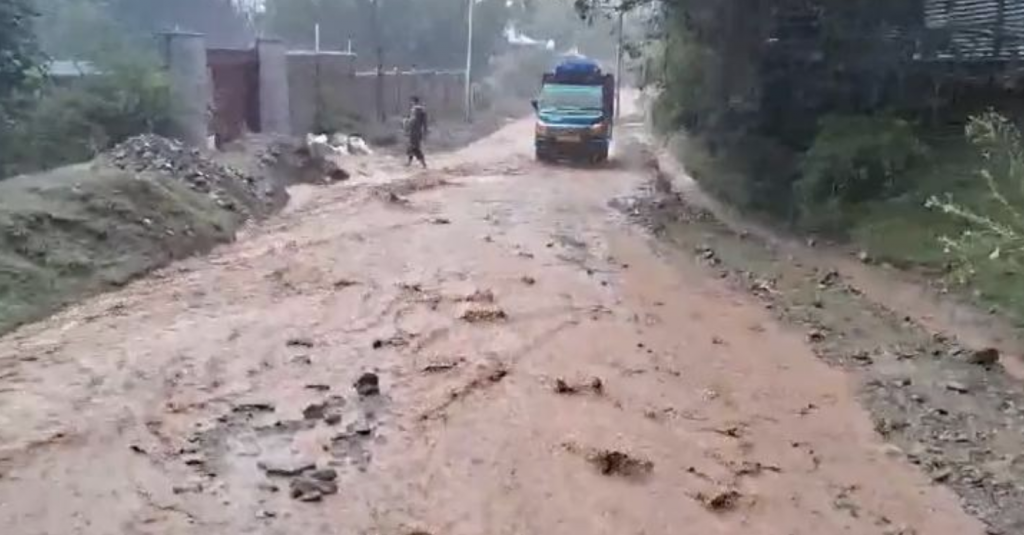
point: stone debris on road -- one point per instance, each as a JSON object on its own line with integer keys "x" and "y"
{"x": 484, "y": 315}
{"x": 482, "y": 405}
{"x": 594, "y": 385}
{"x": 720, "y": 501}
{"x": 229, "y": 188}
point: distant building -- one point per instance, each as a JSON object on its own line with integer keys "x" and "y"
{"x": 974, "y": 30}
{"x": 70, "y": 69}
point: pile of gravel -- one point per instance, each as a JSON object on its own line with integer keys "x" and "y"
{"x": 229, "y": 188}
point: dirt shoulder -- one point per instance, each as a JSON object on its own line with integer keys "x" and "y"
{"x": 953, "y": 410}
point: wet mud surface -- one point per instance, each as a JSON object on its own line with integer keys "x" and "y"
{"x": 492, "y": 347}
{"x": 949, "y": 409}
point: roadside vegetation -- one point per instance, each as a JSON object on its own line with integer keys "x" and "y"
{"x": 851, "y": 121}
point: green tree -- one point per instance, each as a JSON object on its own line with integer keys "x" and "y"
{"x": 19, "y": 51}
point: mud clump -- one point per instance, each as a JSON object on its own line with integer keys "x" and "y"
{"x": 308, "y": 489}
{"x": 720, "y": 501}
{"x": 984, "y": 357}
{"x": 563, "y": 387}
{"x": 617, "y": 463}
{"x": 367, "y": 385}
{"x": 613, "y": 462}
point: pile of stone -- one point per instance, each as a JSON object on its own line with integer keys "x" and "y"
{"x": 230, "y": 189}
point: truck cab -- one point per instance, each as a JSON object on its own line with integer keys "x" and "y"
{"x": 575, "y": 110}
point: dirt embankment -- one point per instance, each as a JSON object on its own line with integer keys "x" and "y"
{"x": 954, "y": 411}
{"x": 89, "y": 227}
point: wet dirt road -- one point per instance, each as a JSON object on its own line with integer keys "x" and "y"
{"x": 541, "y": 370}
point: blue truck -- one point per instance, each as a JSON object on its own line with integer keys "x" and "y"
{"x": 575, "y": 111}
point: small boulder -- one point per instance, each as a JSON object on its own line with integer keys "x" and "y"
{"x": 957, "y": 387}
{"x": 314, "y": 411}
{"x": 984, "y": 357}
{"x": 324, "y": 474}
{"x": 286, "y": 467}
{"x": 367, "y": 385}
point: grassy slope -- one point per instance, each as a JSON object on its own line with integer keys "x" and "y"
{"x": 901, "y": 231}
{"x": 904, "y": 233}
{"x": 85, "y": 228}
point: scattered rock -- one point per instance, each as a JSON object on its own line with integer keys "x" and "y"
{"x": 862, "y": 357}
{"x": 264, "y": 513}
{"x": 617, "y": 463}
{"x": 191, "y": 488}
{"x": 306, "y": 489}
{"x": 300, "y": 342}
{"x": 440, "y": 221}
{"x": 314, "y": 411}
{"x": 829, "y": 279}
{"x": 367, "y": 385}
{"x": 864, "y": 257}
{"x": 227, "y": 187}
{"x": 595, "y": 385}
{"x": 398, "y": 340}
{"x": 984, "y": 357}
{"x": 288, "y": 467}
{"x": 333, "y": 418}
{"x": 752, "y": 469}
{"x": 302, "y": 360}
{"x": 718, "y": 340}
{"x": 957, "y": 387}
{"x": 442, "y": 366}
{"x": 941, "y": 475}
{"x": 479, "y": 296}
{"x": 720, "y": 501}
{"x": 816, "y": 335}
{"x": 137, "y": 449}
{"x": 318, "y": 387}
{"x": 484, "y": 315}
{"x": 324, "y": 474}
{"x": 528, "y": 280}
{"x": 258, "y": 406}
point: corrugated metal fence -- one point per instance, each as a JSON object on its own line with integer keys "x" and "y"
{"x": 977, "y": 29}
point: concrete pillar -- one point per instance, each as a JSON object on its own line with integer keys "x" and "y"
{"x": 191, "y": 87}
{"x": 275, "y": 104}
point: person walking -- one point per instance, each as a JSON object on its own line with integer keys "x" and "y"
{"x": 416, "y": 129}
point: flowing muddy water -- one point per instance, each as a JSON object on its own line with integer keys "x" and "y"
{"x": 484, "y": 348}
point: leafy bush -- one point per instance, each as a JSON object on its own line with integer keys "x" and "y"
{"x": 854, "y": 159}
{"x": 72, "y": 122}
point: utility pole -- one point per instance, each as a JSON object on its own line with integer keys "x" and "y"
{"x": 379, "y": 46}
{"x": 469, "y": 64}
{"x": 618, "y": 67}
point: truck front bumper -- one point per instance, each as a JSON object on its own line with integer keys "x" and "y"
{"x": 560, "y": 147}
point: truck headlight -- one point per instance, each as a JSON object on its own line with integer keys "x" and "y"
{"x": 598, "y": 128}
{"x": 541, "y": 129}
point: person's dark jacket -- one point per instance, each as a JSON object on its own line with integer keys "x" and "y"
{"x": 418, "y": 124}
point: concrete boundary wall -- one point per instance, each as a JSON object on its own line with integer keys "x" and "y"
{"x": 327, "y": 93}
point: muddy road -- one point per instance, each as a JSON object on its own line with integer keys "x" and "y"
{"x": 491, "y": 347}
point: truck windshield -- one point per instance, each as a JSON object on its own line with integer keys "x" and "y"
{"x": 571, "y": 97}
